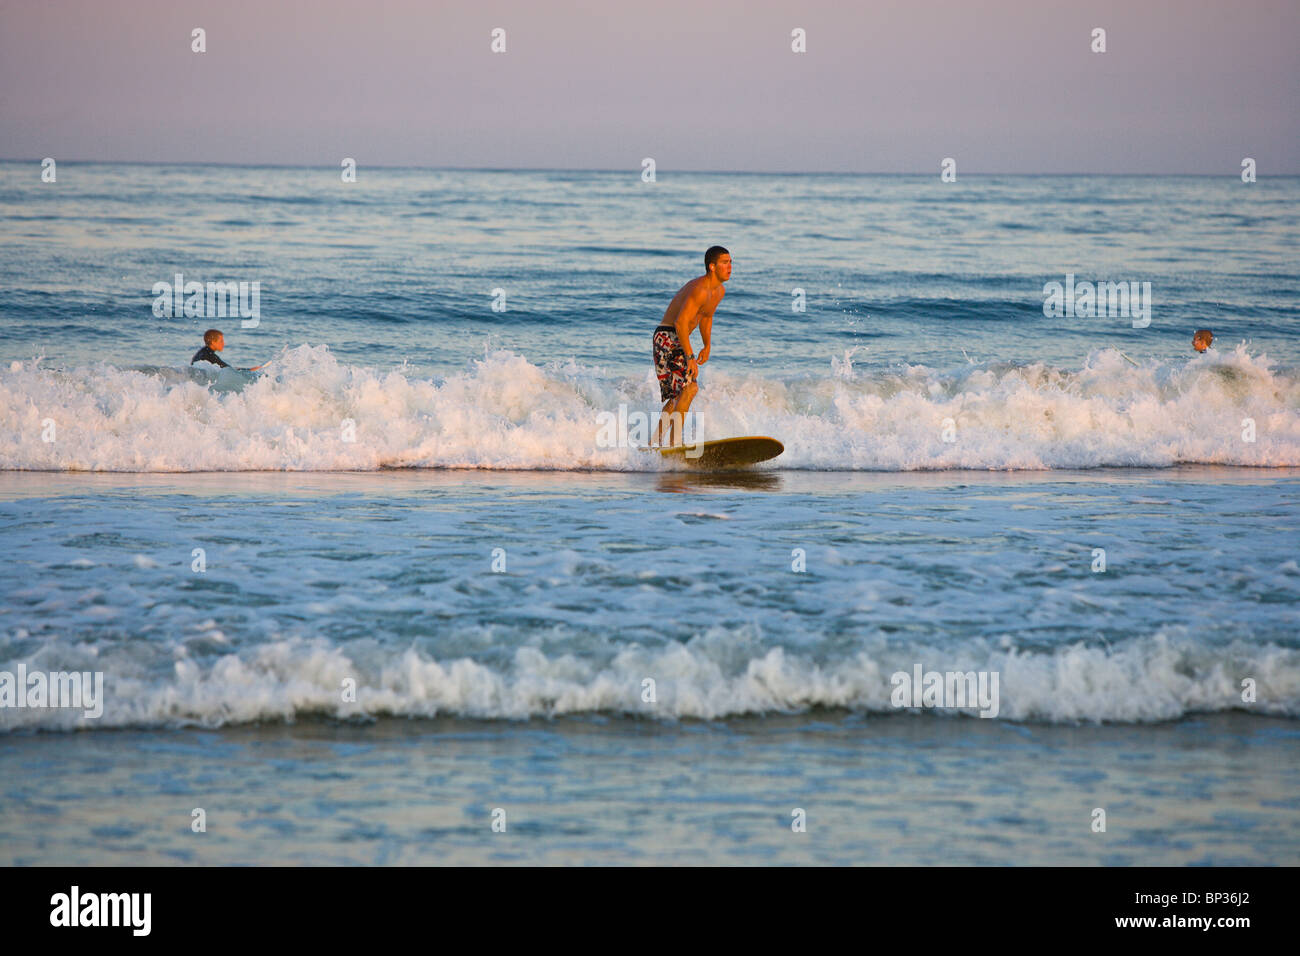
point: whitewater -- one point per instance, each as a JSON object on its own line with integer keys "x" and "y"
{"x": 309, "y": 411}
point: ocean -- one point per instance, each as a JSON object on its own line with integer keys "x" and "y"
{"x": 397, "y": 598}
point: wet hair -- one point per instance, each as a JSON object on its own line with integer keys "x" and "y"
{"x": 712, "y": 255}
{"x": 211, "y": 335}
{"x": 1203, "y": 335}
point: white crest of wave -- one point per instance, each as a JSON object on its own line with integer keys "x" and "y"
{"x": 309, "y": 412}
{"x": 717, "y": 674}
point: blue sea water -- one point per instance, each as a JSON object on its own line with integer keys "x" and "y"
{"x": 414, "y": 496}
{"x": 924, "y": 302}
{"x": 399, "y": 266}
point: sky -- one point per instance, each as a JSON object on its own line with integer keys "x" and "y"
{"x": 1009, "y": 86}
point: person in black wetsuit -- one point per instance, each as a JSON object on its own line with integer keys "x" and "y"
{"x": 214, "y": 342}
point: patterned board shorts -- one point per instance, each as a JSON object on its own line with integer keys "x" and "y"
{"x": 670, "y": 363}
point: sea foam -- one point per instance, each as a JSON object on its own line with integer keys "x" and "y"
{"x": 1160, "y": 677}
{"x": 309, "y": 412}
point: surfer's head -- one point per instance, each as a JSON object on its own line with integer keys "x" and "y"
{"x": 214, "y": 340}
{"x": 1202, "y": 340}
{"x": 718, "y": 261}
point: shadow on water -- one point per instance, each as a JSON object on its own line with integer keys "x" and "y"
{"x": 684, "y": 482}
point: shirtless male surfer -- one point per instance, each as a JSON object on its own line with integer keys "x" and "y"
{"x": 675, "y": 361}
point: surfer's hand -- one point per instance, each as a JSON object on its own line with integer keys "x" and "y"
{"x": 704, "y": 355}
{"x": 692, "y": 368}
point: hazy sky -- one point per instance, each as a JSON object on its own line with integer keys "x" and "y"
{"x": 1186, "y": 86}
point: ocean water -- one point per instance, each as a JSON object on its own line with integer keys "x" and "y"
{"x": 396, "y": 580}
{"x": 924, "y": 304}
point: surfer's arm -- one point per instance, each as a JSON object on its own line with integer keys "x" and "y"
{"x": 706, "y": 329}
{"x": 683, "y": 324}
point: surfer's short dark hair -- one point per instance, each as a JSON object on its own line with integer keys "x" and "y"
{"x": 211, "y": 335}
{"x": 712, "y": 255}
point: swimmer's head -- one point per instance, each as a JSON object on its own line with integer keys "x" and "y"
{"x": 718, "y": 261}
{"x": 214, "y": 340}
{"x": 1202, "y": 340}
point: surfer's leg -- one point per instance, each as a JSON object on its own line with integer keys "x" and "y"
{"x": 680, "y": 409}
{"x": 674, "y": 414}
{"x": 685, "y": 386}
{"x": 671, "y": 370}
{"x": 665, "y": 417}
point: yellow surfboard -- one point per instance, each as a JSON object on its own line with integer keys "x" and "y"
{"x": 726, "y": 452}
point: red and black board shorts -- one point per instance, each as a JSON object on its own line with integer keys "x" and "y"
{"x": 670, "y": 363}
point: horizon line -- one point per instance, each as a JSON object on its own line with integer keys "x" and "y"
{"x": 630, "y": 169}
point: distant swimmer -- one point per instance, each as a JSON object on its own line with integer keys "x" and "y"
{"x": 675, "y": 363}
{"x": 214, "y": 342}
{"x": 1202, "y": 340}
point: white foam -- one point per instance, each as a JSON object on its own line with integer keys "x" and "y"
{"x": 718, "y": 674}
{"x": 506, "y": 413}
